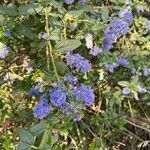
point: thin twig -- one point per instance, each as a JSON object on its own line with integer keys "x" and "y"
{"x": 134, "y": 135}
{"x": 138, "y": 126}
{"x": 49, "y": 47}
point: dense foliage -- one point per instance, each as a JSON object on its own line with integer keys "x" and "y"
{"x": 74, "y": 74}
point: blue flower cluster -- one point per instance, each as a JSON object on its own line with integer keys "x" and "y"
{"x": 84, "y": 93}
{"x": 34, "y": 91}
{"x": 43, "y": 108}
{"x": 58, "y": 96}
{"x": 71, "y": 110}
{"x": 126, "y": 15}
{"x": 71, "y": 79}
{"x": 69, "y": 102}
{"x": 114, "y": 30}
{"x": 3, "y": 50}
{"x": 78, "y": 62}
{"x": 146, "y": 72}
{"x": 122, "y": 62}
{"x": 119, "y": 62}
{"x": 111, "y": 67}
{"x": 95, "y": 51}
{"x": 7, "y": 33}
{"x": 139, "y": 89}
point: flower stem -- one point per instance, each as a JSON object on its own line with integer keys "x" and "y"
{"x": 44, "y": 138}
{"x": 34, "y": 147}
{"x": 64, "y": 31}
{"x": 49, "y": 48}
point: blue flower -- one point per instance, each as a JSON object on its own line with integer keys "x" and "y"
{"x": 42, "y": 109}
{"x": 140, "y": 8}
{"x": 44, "y": 35}
{"x": 82, "y": 1}
{"x": 71, "y": 79}
{"x": 3, "y": 50}
{"x": 146, "y": 71}
{"x": 7, "y": 33}
{"x": 68, "y": 1}
{"x": 141, "y": 89}
{"x": 58, "y": 96}
{"x": 148, "y": 25}
{"x": 126, "y": 90}
{"x": 107, "y": 44}
{"x": 84, "y": 93}
{"x": 95, "y": 50}
{"x": 77, "y": 117}
{"x": 71, "y": 110}
{"x": 111, "y": 67}
{"x": 122, "y": 62}
{"x": 128, "y": 3}
{"x": 34, "y": 91}
{"x": 115, "y": 29}
{"x": 78, "y": 62}
{"x": 133, "y": 70}
{"x": 126, "y": 15}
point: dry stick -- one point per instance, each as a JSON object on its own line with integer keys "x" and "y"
{"x": 129, "y": 133}
{"x": 74, "y": 142}
{"x": 140, "y": 106}
{"x": 134, "y": 135}
{"x": 139, "y": 121}
{"x": 20, "y": 56}
{"x": 90, "y": 130}
{"x": 79, "y": 135}
{"x": 138, "y": 126}
{"x": 34, "y": 147}
{"x": 64, "y": 30}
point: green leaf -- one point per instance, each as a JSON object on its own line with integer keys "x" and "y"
{"x": 75, "y": 13}
{"x": 10, "y": 11}
{"x": 38, "y": 128}
{"x": 118, "y": 1}
{"x": 26, "y": 136}
{"x": 135, "y": 79}
{"x": 45, "y": 147}
{"x": 54, "y": 138}
{"x": 105, "y": 13}
{"x": 24, "y": 115}
{"x": 26, "y": 31}
{"x": 62, "y": 68}
{"x": 67, "y": 45}
{"x": 55, "y": 34}
{"x": 123, "y": 83}
{"x": 23, "y": 146}
{"x": 54, "y": 119}
{"x": 29, "y": 9}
